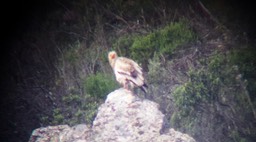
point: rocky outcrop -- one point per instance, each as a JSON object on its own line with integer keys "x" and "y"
{"x": 122, "y": 118}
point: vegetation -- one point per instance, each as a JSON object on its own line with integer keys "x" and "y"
{"x": 82, "y": 107}
{"x": 156, "y": 72}
{"x": 214, "y": 89}
{"x": 202, "y": 78}
{"x": 160, "y": 42}
{"x": 99, "y": 85}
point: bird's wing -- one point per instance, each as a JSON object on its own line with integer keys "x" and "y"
{"x": 130, "y": 70}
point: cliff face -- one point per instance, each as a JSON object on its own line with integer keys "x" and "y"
{"x": 123, "y": 117}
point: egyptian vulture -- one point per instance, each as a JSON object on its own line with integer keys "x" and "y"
{"x": 127, "y": 72}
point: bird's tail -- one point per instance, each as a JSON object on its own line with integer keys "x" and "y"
{"x": 142, "y": 87}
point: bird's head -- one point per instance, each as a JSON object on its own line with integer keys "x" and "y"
{"x": 112, "y": 56}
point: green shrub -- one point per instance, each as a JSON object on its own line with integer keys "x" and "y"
{"x": 91, "y": 108}
{"x": 156, "y": 72}
{"x": 245, "y": 59}
{"x": 123, "y": 44}
{"x": 58, "y": 117}
{"x": 144, "y": 47}
{"x": 81, "y": 107}
{"x": 99, "y": 85}
{"x": 163, "y": 41}
{"x": 189, "y": 95}
{"x": 96, "y": 86}
{"x": 72, "y": 54}
{"x": 72, "y": 98}
{"x": 215, "y": 85}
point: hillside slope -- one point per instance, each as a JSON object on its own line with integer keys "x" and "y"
{"x": 198, "y": 58}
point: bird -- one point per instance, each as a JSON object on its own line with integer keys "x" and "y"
{"x": 127, "y": 72}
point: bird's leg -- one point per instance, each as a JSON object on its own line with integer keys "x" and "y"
{"x": 126, "y": 85}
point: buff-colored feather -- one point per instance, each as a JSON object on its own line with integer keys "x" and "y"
{"x": 128, "y": 73}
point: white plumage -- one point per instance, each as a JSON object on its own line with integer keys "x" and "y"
{"x": 128, "y": 73}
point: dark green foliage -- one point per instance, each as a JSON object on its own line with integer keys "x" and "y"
{"x": 218, "y": 85}
{"x": 99, "y": 85}
{"x": 96, "y": 86}
{"x": 156, "y": 72}
{"x": 79, "y": 109}
{"x": 83, "y": 91}
{"x": 72, "y": 55}
{"x": 58, "y": 117}
{"x": 123, "y": 44}
{"x": 246, "y": 60}
{"x": 82, "y": 108}
{"x": 160, "y": 42}
{"x": 163, "y": 41}
{"x": 72, "y": 99}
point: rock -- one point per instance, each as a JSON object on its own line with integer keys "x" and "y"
{"x": 123, "y": 117}
{"x": 61, "y": 133}
{"x": 51, "y": 133}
